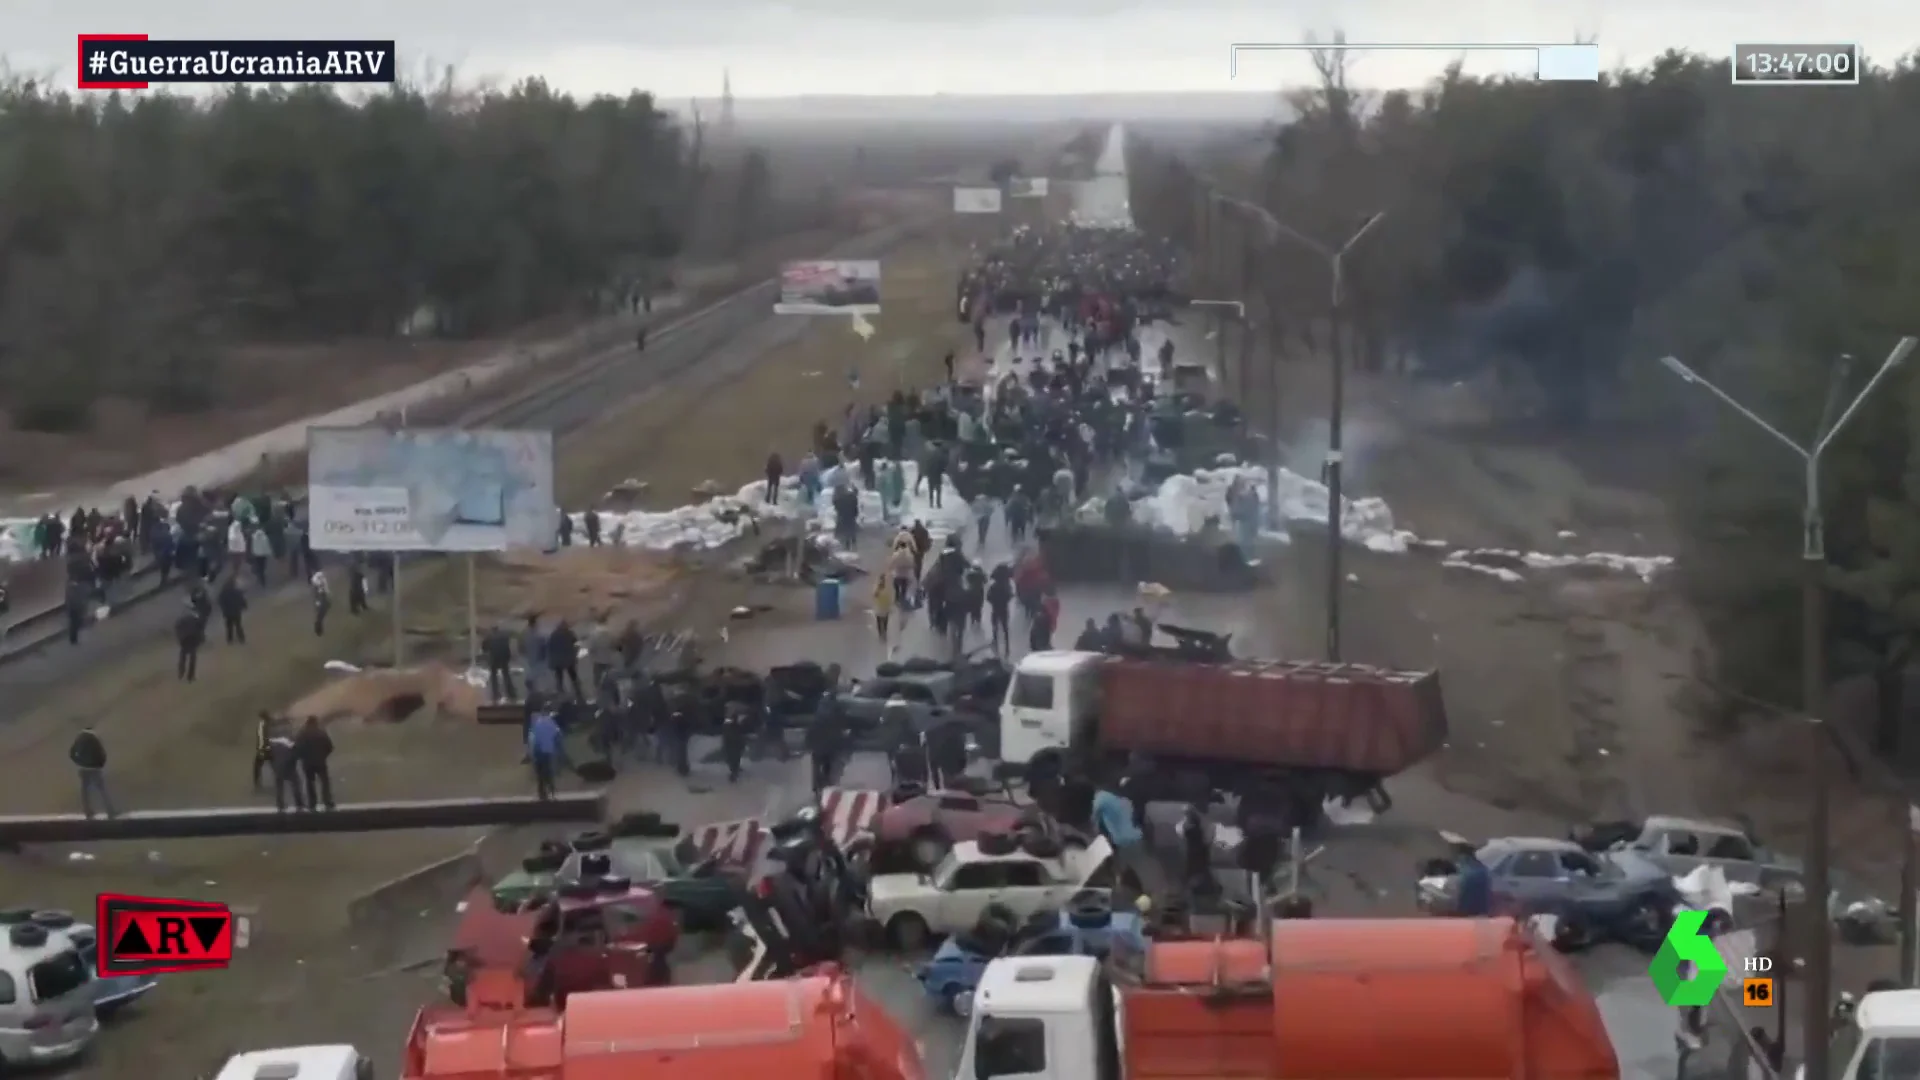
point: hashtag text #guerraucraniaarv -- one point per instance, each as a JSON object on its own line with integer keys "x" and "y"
{"x": 123, "y": 62}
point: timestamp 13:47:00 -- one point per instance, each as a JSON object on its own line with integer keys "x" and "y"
{"x": 1828, "y": 65}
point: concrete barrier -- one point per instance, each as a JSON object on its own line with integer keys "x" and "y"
{"x": 431, "y": 890}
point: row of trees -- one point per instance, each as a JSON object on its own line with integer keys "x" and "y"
{"x": 1560, "y": 237}
{"x": 138, "y": 232}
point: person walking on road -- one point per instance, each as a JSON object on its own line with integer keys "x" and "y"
{"x": 89, "y": 757}
{"x": 543, "y": 750}
{"x": 311, "y": 749}
{"x": 189, "y": 632}
{"x": 775, "y": 469}
{"x": 497, "y": 648}
{"x": 883, "y": 600}
{"x": 322, "y": 601}
{"x": 233, "y": 607}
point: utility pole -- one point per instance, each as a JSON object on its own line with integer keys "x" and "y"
{"x": 1817, "y": 1001}
{"x": 1336, "y": 408}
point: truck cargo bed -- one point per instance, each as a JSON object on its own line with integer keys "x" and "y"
{"x": 1286, "y": 714}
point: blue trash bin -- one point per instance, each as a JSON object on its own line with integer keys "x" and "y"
{"x": 826, "y": 601}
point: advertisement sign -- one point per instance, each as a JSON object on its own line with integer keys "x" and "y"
{"x": 429, "y": 489}
{"x": 1027, "y": 187}
{"x": 830, "y": 287}
{"x": 976, "y": 200}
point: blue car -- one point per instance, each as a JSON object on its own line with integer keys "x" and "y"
{"x": 954, "y": 972}
{"x": 113, "y": 992}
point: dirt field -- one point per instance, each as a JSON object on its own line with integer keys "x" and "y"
{"x": 1572, "y": 694}
{"x": 172, "y": 743}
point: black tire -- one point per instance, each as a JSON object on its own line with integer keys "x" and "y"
{"x": 1378, "y": 800}
{"x": 593, "y": 840}
{"x": 996, "y": 843}
{"x": 595, "y": 864}
{"x": 1041, "y": 846}
{"x": 889, "y": 670}
{"x": 53, "y": 920}
{"x": 1046, "y": 769}
{"x": 27, "y": 936}
{"x": 908, "y": 932}
{"x": 1647, "y": 925}
{"x": 555, "y": 847}
{"x": 1571, "y": 934}
{"x": 16, "y": 916}
{"x": 1090, "y": 912}
{"x": 643, "y": 823}
{"x": 999, "y": 915}
{"x": 545, "y": 862}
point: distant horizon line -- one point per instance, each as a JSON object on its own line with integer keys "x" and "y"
{"x": 965, "y": 95}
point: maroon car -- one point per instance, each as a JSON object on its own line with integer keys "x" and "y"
{"x": 916, "y": 829}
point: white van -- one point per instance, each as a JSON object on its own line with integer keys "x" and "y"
{"x": 337, "y": 1062}
{"x": 46, "y": 992}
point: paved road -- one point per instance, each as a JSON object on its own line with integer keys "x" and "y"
{"x": 1105, "y": 200}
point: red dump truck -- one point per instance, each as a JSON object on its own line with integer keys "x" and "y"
{"x": 1284, "y": 736}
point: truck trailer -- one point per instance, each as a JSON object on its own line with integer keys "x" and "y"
{"x": 1282, "y": 736}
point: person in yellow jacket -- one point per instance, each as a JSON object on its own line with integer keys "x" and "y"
{"x": 882, "y": 605}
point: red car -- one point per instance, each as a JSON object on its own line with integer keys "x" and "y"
{"x": 917, "y": 829}
{"x": 598, "y": 934}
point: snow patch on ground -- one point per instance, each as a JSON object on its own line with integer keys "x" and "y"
{"x": 725, "y": 518}
{"x": 1184, "y": 502}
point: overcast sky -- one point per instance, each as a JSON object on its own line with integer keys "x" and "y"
{"x": 678, "y": 49}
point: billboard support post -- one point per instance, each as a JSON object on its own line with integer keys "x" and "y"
{"x": 473, "y": 612}
{"x": 399, "y": 636}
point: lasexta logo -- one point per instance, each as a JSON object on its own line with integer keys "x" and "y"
{"x": 1686, "y": 943}
{"x": 149, "y": 935}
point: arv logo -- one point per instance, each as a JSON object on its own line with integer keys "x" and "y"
{"x": 1685, "y": 943}
{"x": 151, "y": 935}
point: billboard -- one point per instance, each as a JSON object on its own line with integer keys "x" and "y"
{"x": 1027, "y": 187}
{"x": 830, "y": 287}
{"x": 976, "y": 200}
{"x": 430, "y": 489}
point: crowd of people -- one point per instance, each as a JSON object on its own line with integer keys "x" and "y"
{"x": 219, "y": 546}
{"x": 1028, "y": 441}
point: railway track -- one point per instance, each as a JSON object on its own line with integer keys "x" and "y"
{"x": 33, "y": 653}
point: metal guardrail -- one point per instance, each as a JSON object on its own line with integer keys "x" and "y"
{"x": 32, "y": 631}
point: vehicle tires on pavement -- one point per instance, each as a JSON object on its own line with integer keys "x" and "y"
{"x": 908, "y": 932}
{"x": 959, "y": 1001}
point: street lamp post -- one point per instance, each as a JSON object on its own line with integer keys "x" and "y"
{"x": 1337, "y": 407}
{"x": 1813, "y": 556}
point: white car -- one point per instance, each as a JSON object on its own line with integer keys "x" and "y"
{"x": 913, "y": 908}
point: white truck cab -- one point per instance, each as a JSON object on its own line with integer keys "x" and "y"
{"x": 335, "y": 1062}
{"x": 1052, "y": 699}
{"x": 1882, "y": 1042}
{"x": 1052, "y": 1017}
